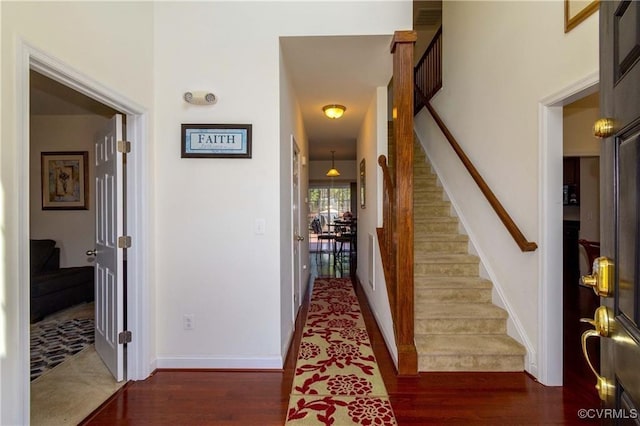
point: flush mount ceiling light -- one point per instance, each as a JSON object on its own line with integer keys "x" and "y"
{"x": 333, "y": 172}
{"x": 334, "y": 111}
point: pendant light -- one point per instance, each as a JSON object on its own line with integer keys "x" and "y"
{"x": 333, "y": 172}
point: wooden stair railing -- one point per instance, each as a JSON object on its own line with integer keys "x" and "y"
{"x": 428, "y": 78}
{"x": 386, "y": 239}
{"x": 396, "y": 236}
{"x": 506, "y": 219}
{"x": 427, "y": 74}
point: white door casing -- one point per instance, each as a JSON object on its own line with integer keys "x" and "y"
{"x": 297, "y": 235}
{"x": 109, "y": 286}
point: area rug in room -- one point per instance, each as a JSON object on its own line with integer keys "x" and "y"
{"x": 54, "y": 341}
{"x": 337, "y": 380}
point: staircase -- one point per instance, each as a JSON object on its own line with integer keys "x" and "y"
{"x": 457, "y": 328}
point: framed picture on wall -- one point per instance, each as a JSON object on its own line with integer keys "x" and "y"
{"x": 216, "y": 141}
{"x": 576, "y": 11}
{"x": 65, "y": 180}
{"x": 363, "y": 179}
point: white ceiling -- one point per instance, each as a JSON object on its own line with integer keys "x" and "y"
{"x": 341, "y": 70}
{"x": 48, "y": 97}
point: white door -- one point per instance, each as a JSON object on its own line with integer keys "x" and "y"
{"x": 109, "y": 226}
{"x": 297, "y": 235}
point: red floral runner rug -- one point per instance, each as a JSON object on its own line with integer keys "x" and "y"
{"x": 337, "y": 380}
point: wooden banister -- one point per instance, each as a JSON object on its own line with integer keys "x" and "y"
{"x": 428, "y": 80}
{"x": 506, "y": 219}
{"x": 402, "y": 47}
{"x": 386, "y": 239}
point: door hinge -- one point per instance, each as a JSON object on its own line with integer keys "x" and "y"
{"x": 124, "y": 146}
{"x": 124, "y": 337}
{"x": 124, "y": 242}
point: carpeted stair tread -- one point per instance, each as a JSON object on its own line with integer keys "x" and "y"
{"x": 441, "y": 246}
{"x": 470, "y": 311}
{"x": 440, "y": 203}
{"x": 441, "y": 237}
{"x": 445, "y": 258}
{"x": 435, "y": 220}
{"x": 451, "y": 344}
{"x": 452, "y": 290}
{"x": 457, "y": 328}
{"x": 452, "y": 282}
{"x": 425, "y": 186}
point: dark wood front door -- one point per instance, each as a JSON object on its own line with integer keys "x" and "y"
{"x": 619, "y": 320}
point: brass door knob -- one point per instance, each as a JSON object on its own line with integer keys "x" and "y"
{"x": 602, "y": 321}
{"x": 91, "y": 252}
{"x": 604, "y": 128}
{"x": 601, "y": 278}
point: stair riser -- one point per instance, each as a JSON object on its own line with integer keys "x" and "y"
{"x": 455, "y": 247}
{"x": 435, "y": 227}
{"x": 459, "y": 326}
{"x": 446, "y": 269}
{"x": 426, "y": 197}
{"x": 424, "y": 181}
{"x": 459, "y": 295}
{"x": 471, "y": 363}
{"x": 432, "y": 211}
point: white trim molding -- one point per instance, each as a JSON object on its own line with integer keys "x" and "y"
{"x": 139, "y": 364}
{"x": 550, "y": 153}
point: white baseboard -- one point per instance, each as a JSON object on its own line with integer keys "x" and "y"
{"x": 248, "y": 363}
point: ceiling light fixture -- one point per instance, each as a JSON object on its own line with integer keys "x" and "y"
{"x": 334, "y": 111}
{"x": 333, "y": 172}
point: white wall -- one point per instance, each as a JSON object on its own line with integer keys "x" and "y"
{"x": 372, "y": 142}
{"x": 500, "y": 60}
{"x": 74, "y": 33}
{"x": 210, "y": 261}
{"x": 577, "y": 127}
{"x": 73, "y": 230}
{"x": 589, "y": 206}
{"x": 291, "y": 125}
{"x": 205, "y": 258}
{"x": 578, "y": 141}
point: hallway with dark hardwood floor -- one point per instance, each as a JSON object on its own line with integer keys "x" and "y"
{"x": 260, "y": 398}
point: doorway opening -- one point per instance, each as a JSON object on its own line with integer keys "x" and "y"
{"x": 62, "y": 231}
{"x": 138, "y": 312}
{"x": 331, "y": 205}
{"x": 549, "y": 367}
{"x": 581, "y": 235}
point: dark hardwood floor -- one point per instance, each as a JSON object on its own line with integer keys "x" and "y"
{"x": 202, "y": 397}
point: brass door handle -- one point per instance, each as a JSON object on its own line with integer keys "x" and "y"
{"x": 604, "y": 386}
{"x": 91, "y": 252}
{"x": 604, "y": 325}
{"x": 299, "y": 238}
{"x": 604, "y": 128}
{"x": 601, "y": 278}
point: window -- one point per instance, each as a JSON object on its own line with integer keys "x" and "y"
{"x": 327, "y": 203}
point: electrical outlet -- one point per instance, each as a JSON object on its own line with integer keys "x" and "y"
{"x": 188, "y": 321}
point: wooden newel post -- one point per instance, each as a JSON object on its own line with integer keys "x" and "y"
{"x": 402, "y": 50}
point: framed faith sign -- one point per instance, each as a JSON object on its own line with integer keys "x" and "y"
{"x": 216, "y": 141}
